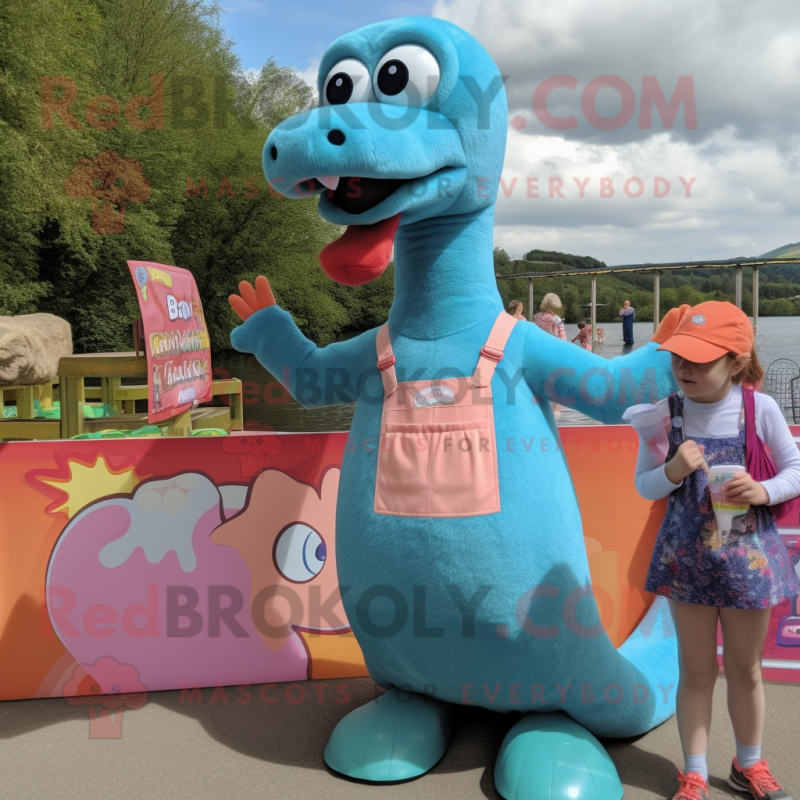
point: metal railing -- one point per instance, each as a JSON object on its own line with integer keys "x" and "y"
{"x": 657, "y": 269}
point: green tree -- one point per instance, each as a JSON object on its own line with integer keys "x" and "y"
{"x": 568, "y": 260}
{"x": 195, "y": 147}
{"x": 273, "y": 94}
{"x": 501, "y": 258}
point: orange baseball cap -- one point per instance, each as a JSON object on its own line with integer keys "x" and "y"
{"x": 709, "y": 331}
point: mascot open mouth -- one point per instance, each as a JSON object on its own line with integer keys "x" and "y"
{"x": 356, "y": 195}
{"x": 362, "y": 253}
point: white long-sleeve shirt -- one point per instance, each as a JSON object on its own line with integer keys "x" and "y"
{"x": 718, "y": 420}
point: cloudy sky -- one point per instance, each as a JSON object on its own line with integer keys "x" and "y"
{"x": 728, "y": 180}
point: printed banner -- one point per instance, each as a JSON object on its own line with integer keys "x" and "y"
{"x": 176, "y": 339}
{"x": 140, "y": 565}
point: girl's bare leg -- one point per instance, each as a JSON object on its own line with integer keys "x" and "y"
{"x": 743, "y": 632}
{"x": 696, "y": 627}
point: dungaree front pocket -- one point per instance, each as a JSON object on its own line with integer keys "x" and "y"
{"x": 437, "y": 470}
{"x": 438, "y": 461}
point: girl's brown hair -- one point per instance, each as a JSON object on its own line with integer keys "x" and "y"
{"x": 514, "y": 307}
{"x": 752, "y": 373}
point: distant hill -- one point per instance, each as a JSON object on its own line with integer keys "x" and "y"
{"x": 787, "y": 251}
{"x": 566, "y": 259}
{"x": 778, "y": 290}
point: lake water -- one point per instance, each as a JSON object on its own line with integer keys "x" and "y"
{"x": 778, "y": 337}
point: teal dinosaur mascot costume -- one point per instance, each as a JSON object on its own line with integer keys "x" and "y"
{"x": 458, "y": 536}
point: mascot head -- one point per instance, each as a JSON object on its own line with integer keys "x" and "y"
{"x": 411, "y": 124}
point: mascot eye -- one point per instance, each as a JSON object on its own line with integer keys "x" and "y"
{"x": 406, "y": 76}
{"x": 347, "y": 82}
{"x": 393, "y": 77}
{"x": 299, "y": 553}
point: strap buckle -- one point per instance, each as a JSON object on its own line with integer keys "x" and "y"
{"x": 387, "y": 362}
{"x": 491, "y": 353}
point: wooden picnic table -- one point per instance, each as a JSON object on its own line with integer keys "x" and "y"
{"x": 25, "y": 425}
{"x": 111, "y": 368}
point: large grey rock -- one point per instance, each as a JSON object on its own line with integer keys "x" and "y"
{"x": 31, "y": 346}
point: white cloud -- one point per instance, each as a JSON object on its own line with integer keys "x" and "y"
{"x": 743, "y": 200}
{"x": 742, "y": 56}
{"x": 745, "y": 68}
{"x": 249, "y": 7}
{"x": 309, "y": 74}
{"x": 719, "y": 176}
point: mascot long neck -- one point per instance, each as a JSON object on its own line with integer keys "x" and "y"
{"x": 444, "y": 275}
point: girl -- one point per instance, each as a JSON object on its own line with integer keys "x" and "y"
{"x": 515, "y": 308}
{"x": 584, "y": 337}
{"x": 737, "y": 580}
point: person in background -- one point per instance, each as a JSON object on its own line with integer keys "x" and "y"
{"x": 515, "y": 308}
{"x": 584, "y": 337}
{"x": 547, "y": 319}
{"x": 627, "y": 313}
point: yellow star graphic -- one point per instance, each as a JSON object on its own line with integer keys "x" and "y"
{"x": 89, "y": 482}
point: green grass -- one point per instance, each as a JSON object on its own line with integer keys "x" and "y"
{"x": 787, "y": 251}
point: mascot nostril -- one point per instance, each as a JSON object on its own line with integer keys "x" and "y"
{"x": 437, "y": 510}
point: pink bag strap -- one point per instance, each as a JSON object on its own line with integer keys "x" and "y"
{"x": 492, "y": 351}
{"x": 386, "y": 360}
{"x": 753, "y": 459}
{"x": 759, "y": 464}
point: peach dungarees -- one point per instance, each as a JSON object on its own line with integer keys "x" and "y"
{"x": 437, "y": 454}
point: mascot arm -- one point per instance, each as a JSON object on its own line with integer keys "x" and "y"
{"x": 315, "y": 376}
{"x": 597, "y": 387}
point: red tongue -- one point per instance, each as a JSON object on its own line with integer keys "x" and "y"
{"x": 361, "y": 253}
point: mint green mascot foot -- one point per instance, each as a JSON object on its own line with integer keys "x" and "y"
{"x": 395, "y": 737}
{"x": 552, "y": 757}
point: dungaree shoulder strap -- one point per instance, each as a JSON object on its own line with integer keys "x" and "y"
{"x": 386, "y": 360}
{"x": 675, "y": 435}
{"x": 492, "y": 351}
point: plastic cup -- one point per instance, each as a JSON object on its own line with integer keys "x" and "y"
{"x": 646, "y": 420}
{"x": 718, "y": 476}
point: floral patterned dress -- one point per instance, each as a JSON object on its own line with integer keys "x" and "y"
{"x": 551, "y": 323}
{"x": 584, "y": 338}
{"x": 690, "y": 563}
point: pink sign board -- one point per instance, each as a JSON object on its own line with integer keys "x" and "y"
{"x": 177, "y": 343}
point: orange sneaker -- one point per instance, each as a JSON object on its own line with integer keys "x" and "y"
{"x": 757, "y": 780}
{"x": 692, "y": 787}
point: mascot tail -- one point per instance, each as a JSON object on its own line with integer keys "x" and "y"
{"x": 653, "y": 649}
{"x": 635, "y": 686}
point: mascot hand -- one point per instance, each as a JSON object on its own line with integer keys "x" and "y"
{"x": 670, "y": 323}
{"x": 254, "y": 299}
